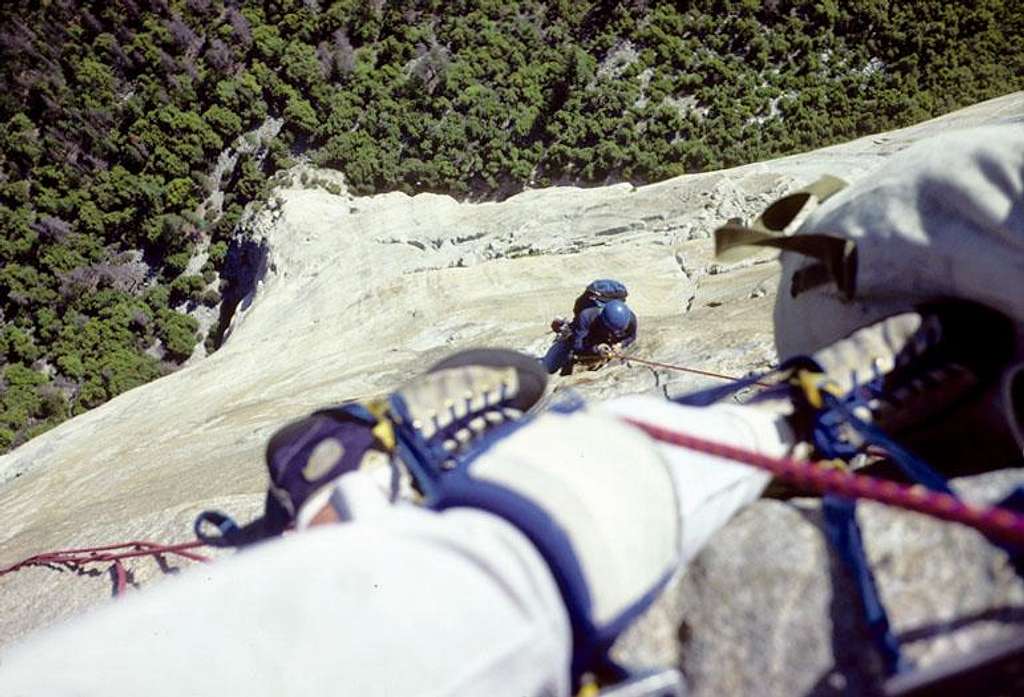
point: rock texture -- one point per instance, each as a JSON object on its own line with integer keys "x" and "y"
{"x": 355, "y": 295}
{"x": 768, "y": 607}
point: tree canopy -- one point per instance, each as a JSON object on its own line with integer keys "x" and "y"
{"x": 113, "y": 114}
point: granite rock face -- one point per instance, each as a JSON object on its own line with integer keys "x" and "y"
{"x": 769, "y": 609}
{"x": 351, "y": 296}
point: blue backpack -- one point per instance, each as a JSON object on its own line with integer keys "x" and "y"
{"x": 598, "y": 293}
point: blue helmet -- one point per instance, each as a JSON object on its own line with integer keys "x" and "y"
{"x": 616, "y": 316}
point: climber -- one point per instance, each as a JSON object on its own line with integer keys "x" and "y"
{"x": 602, "y": 323}
{"x": 540, "y": 536}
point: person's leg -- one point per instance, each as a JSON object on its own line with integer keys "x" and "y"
{"x": 557, "y": 356}
{"x": 409, "y": 602}
{"x": 709, "y": 490}
{"x": 615, "y": 512}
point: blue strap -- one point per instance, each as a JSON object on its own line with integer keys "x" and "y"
{"x": 840, "y": 514}
{"x": 590, "y": 643}
{"x": 840, "y": 412}
{"x": 845, "y": 535}
{"x": 703, "y": 398}
{"x": 830, "y": 437}
{"x": 229, "y": 534}
{"x": 1015, "y": 502}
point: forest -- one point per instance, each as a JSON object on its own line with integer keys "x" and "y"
{"x": 116, "y": 224}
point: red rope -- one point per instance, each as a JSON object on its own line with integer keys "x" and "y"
{"x": 997, "y": 522}
{"x": 1001, "y": 523}
{"x": 78, "y": 558}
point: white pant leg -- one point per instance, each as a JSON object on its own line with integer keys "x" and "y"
{"x": 632, "y": 510}
{"x": 409, "y": 603}
{"x": 709, "y": 489}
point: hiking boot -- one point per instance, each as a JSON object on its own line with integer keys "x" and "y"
{"x": 428, "y": 423}
{"x": 441, "y": 415}
{"x": 456, "y": 402}
{"x": 925, "y": 378}
{"x": 304, "y": 460}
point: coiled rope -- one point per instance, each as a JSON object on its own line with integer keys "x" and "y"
{"x": 115, "y": 554}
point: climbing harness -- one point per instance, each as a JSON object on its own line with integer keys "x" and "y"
{"x": 115, "y": 554}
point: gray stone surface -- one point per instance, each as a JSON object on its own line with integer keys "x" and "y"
{"x": 362, "y": 293}
{"x": 768, "y": 609}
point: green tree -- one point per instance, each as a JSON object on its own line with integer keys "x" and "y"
{"x": 177, "y": 332}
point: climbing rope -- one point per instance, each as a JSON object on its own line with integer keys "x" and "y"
{"x": 680, "y": 368}
{"x": 78, "y": 559}
{"x": 1001, "y": 523}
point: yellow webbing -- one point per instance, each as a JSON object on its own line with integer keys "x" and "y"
{"x": 813, "y": 384}
{"x": 383, "y": 431}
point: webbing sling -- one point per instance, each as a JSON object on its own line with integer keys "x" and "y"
{"x": 836, "y": 256}
{"x": 833, "y": 415}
